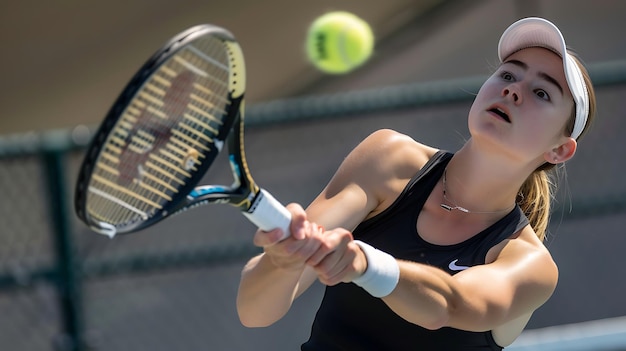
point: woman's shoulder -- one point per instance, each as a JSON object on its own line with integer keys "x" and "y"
{"x": 387, "y": 159}
{"x": 376, "y": 171}
{"x": 397, "y": 149}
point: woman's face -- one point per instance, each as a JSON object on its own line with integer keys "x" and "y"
{"x": 523, "y": 107}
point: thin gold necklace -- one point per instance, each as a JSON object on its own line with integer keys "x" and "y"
{"x": 454, "y": 206}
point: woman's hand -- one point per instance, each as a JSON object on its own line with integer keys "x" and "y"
{"x": 338, "y": 258}
{"x": 332, "y": 254}
{"x": 293, "y": 252}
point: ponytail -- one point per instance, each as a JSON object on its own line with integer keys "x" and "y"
{"x": 536, "y": 198}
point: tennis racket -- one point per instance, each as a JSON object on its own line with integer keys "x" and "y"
{"x": 163, "y": 133}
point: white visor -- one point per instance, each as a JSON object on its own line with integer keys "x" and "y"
{"x": 538, "y": 32}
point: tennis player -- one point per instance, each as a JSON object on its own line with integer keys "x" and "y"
{"x": 430, "y": 250}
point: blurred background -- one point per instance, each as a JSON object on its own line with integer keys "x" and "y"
{"x": 173, "y": 286}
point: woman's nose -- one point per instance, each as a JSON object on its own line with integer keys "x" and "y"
{"x": 512, "y": 93}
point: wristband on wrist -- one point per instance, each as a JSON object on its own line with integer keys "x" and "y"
{"x": 382, "y": 273}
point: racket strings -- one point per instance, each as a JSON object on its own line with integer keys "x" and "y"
{"x": 163, "y": 135}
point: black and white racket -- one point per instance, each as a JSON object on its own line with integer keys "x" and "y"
{"x": 163, "y": 133}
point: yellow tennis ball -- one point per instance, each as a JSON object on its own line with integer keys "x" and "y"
{"x": 339, "y": 42}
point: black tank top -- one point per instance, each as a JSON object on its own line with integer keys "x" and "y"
{"x": 351, "y": 319}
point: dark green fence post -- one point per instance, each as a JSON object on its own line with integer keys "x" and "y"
{"x": 67, "y": 277}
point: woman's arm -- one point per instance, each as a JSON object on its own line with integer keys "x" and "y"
{"x": 272, "y": 280}
{"x": 360, "y": 188}
{"x": 520, "y": 279}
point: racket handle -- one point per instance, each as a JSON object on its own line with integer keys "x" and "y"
{"x": 267, "y": 213}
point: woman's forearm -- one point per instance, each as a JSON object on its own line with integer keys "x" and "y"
{"x": 266, "y": 292}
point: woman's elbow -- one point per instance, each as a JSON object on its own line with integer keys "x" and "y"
{"x": 251, "y": 317}
{"x": 435, "y": 323}
{"x": 250, "y": 321}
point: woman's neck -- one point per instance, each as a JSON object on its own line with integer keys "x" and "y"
{"x": 481, "y": 182}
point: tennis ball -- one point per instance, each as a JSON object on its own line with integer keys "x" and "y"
{"x": 338, "y": 42}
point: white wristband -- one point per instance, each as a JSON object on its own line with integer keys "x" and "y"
{"x": 382, "y": 273}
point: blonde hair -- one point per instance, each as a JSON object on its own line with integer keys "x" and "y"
{"x": 538, "y": 190}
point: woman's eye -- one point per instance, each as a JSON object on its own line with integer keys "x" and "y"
{"x": 542, "y": 94}
{"x": 506, "y": 76}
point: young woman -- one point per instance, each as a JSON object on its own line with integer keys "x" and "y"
{"x": 430, "y": 250}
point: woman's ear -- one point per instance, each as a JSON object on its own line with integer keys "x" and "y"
{"x": 562, "y": 152}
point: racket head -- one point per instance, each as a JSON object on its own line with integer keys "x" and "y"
{"x": 163, "y": 132}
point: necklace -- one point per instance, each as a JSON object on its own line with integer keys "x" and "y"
{"x": 454, "y": 206}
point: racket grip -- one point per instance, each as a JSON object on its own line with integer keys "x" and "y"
{"x": 267, "y": 213}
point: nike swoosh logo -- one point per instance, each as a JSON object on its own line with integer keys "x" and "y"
{"x": 453, "y": 266}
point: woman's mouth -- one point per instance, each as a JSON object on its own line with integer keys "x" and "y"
{"x": 498, "y": 111}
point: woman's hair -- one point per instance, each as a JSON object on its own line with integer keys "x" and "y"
{"x": 538, "y": 190}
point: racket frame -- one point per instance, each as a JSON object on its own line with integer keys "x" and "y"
{"x": 241, "y": 194}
